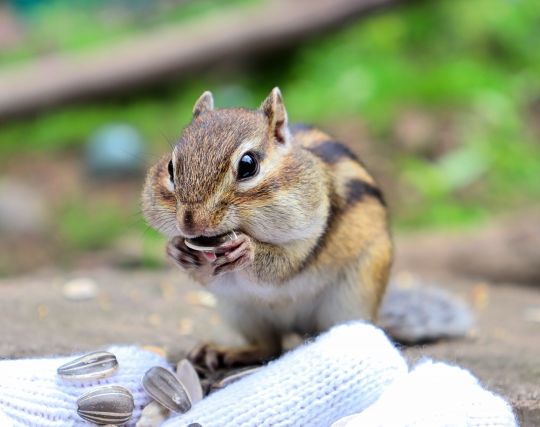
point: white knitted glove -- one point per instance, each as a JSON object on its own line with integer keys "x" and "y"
{"x": 435, "y": 395}
{"x": 32, "y": 394}
{"x": 348, "y": 369}
{"x": 342, "y": 372}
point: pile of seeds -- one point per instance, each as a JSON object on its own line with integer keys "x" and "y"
{"x": 113, "y": 404}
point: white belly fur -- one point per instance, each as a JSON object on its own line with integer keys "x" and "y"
{"x": 308, "y": 303}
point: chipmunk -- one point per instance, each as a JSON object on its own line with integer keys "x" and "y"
{"x": 311, "y": 247}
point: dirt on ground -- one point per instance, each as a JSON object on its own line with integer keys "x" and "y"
{"x": 44, "y": 313}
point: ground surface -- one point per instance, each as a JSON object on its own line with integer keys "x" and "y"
{"x": 162, "y": 308}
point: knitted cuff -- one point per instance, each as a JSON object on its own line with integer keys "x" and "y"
{"x": 32, "y": 394}
{"x": 435, "y": 395}
{"x": 342, "y": 372}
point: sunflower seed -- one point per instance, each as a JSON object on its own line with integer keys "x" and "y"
{"x": 100, "y": 364}
{"x": 163, "y": 386}
{"x": 188, "y": 377}
{"x": 232, "y": 378}
{"x": 111, "y": 404}
{"x": 209, "y": 244}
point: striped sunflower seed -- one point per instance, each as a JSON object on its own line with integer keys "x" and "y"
{"x": 111, "y": 404}
{"x": 100, "y": 364}
{"x": 187, "y": 375}
{"x": 164, "y": 387}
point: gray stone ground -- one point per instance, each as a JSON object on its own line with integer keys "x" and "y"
{"x": 162, "y": 308}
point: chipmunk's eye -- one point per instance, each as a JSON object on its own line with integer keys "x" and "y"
{"x": 248, "y": 166}
{"x": 171, "y": 171}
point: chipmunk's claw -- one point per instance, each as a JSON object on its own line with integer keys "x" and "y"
{"x": 183, "y": 256}
{"x": 236, "y": 254}
{"x": 214, "y": 357}
{"x": 206, "y": 356}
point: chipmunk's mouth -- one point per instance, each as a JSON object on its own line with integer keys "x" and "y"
{"x": 209, "y": 243}
{"x": 208, "y": 240}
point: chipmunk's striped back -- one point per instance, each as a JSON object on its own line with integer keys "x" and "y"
{"x": 357, "y": 230}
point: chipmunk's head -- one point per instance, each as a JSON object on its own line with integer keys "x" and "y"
{"x": 224, "y": 171}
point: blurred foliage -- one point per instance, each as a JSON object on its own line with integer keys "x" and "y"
{"x": 477, "y": 58}
{"x": 475, "y": 61}
{"x": 66, "y": 26}
{"x": 107, "y": 223}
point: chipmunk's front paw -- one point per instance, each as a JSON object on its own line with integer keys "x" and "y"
{"x": 235, "y": 254}
{"x": 183, "y": 256}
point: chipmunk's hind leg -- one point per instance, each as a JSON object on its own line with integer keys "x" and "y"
{"x": 263, "y": 340}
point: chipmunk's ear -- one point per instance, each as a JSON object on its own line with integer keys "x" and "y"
{"x": 204, "y": 103}
{"x": 274, "y": 108}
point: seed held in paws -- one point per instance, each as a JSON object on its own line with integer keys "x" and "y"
{"x": 209, "y": 244}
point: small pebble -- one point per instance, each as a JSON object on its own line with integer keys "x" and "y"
{"x": 480, "y": 295}
{"x": 185, "y": 326}
{"x": 154, "y": 319}
{"x": 24, "y": 211}
{"x": 168, "y": 291}
{"x": 99, "y": 364}
{"x": 160, "y": 351}
{"x": 202, "y": 298}
{"x": 43, "y": 311}
{"x": 115, "y": 150}
{"x": 163, "y": 386}
{"x": 110, "y": 404}
{"x": 82, "y": 288}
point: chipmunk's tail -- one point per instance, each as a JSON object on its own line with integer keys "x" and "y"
{"x": 418, "y": 315}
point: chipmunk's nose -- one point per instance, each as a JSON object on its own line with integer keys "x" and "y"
{"x": 188, "y": 219}
{"x": 192, "y": 225}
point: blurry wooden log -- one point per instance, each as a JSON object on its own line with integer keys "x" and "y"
{"x": 507, "y": 250}
{"x": 172, "y": 52}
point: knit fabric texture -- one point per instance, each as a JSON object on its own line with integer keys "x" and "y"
{"x": 352, "y": 369}
{"x": 32, "y": 394}
{"x": 435, "y": 395}
{"x": 342, "y": 372}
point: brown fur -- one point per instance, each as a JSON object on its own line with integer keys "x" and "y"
{"x": 315, "y": 216}
{"x": 211, "y": 139}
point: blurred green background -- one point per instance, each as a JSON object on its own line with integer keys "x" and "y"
{"x": 440, "y": 98}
